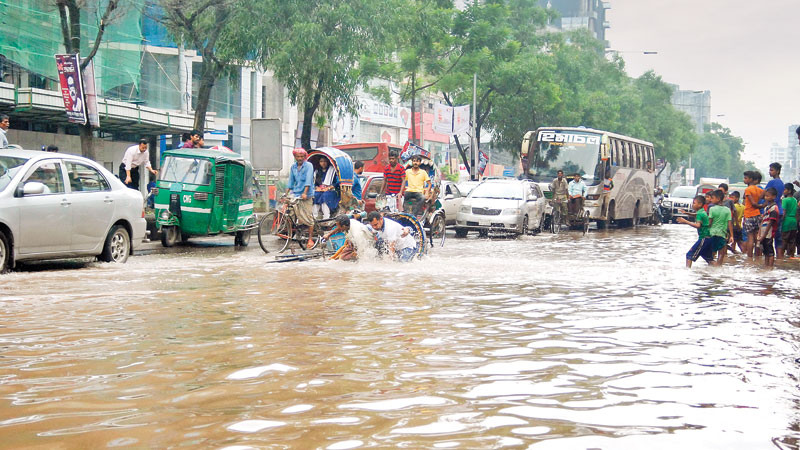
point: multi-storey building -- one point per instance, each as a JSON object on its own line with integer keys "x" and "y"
{"x": 580, "y": 14}
{"x": 695, "y": 103}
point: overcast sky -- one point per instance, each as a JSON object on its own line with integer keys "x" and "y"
{"x": 747, "y": 53}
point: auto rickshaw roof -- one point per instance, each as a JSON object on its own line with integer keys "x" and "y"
{"x": 218, "y": 155}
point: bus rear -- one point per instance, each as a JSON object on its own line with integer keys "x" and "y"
{"x": 374, "y": 155}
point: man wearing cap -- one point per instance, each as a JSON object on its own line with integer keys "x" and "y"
{"x": 135, "y": 157}
{"x": 301, "y": 185}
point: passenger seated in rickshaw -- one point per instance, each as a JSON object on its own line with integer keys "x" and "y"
{"x": 576, "y": 192}
{"x": 393, "y": 238}
{"x": 326, "y": 198}
{"x": 418, "y": 187}
{"x": 357, "y": 236}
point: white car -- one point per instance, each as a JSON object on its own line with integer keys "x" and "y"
{"x": 502, "y": 206}
{"x": 55, "y": 206}
{"x": 450, "y": 198}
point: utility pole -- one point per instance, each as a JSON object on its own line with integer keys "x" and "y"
{"x": 474, "y": 141}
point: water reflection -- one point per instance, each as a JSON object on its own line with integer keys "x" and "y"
{"x": 602, "y": 341}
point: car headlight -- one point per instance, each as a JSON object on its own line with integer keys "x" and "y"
{"x": 667, "y": 204}
{"x": 465, "y": 209}
{"x": 164, "y": 215}
{"x": 512, "y": 212}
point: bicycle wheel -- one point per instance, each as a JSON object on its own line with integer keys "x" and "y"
{"x": 266, "y": 227}
{"x": 285, "y": 232}
{"x": 555, "y": 222}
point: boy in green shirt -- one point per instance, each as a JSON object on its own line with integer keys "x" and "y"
{"x": 720, "y": 227}
{"x": 789, "y": 226}
{"x": 701, "y": 248}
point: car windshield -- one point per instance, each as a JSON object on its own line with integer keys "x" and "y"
{"x": 507, "y": 191}
{"x": 567, "y": 150}
{"x": 466, "y": 187}
{"x": 684, "y": 192}
{"x": 187, "y": 170}
{"x": 9, "y": 166}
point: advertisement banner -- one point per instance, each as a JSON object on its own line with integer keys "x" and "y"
{"x": 451, "y": 119}
{"x": 483, "y": 160}
{"x": 90, "y": 90}
{"x": 410, "y": 150}
{"x": 69, "y": 75}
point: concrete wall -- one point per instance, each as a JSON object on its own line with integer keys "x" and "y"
{"x": 109, "y": 153}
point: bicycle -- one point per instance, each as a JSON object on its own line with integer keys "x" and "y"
{"x": 558, "y": 219}
{"x": 283, "y": 224}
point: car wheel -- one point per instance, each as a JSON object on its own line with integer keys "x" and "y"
{"x": 118, "y": 245}
{"x": 461, "y": 232}
{"x": 242, "y": 238}
{"x": 524, "y": 229}
{"x": 5, "y": 254}
{"x": 542, "y": 221}
{"x": 170, "y": 236}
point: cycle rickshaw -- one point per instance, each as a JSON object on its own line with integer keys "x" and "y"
{"x": 283, "y": 222}
{"x": 578, "y": 220}
{"x": 432, "y": 216}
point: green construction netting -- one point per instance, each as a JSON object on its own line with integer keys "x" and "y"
{"x": 30, "y": 34}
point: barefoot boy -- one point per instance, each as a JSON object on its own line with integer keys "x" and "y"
{"x": 703, "y": 246}
{"x": 769, "y": 227}
{"x": 720, "y": 225}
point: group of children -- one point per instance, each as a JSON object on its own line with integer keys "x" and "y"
{"x": 765, "y": 221}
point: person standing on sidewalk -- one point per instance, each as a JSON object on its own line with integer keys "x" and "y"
{"x": 4, "y": 124}
{"x": 135, "y": 157}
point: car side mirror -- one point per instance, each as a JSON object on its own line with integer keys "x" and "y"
{"x": 372, "y": 195}
{"x": 32, "y": 188}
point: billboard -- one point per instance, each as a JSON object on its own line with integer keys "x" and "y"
{"x": 69, "y": 76}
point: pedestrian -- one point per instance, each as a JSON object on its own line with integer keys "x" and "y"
{"x": 417, "y": 187}
{"x": 392, "y": 237}
{"x": 200, "y": 142}
{"x": 186, "y": 141}
{"x": 720, "y": 226}
{"x": 4, "y": 124}
{"x": 560, "y": 188}
{"x": 358, "y": 169}
{"x": 770, "y": 222}
{"x": 702, "y": 248}
{"x": 789, "y": 223}
{"x": 777, "y": 184}
{"x": 738, "y": 215}
{"x": 752, "y": 214}
{"x": 301, "y": 184}
{"x": 135, "y": 157}
{"x": 196, "y": 137}
{"x": 576, "y": 191}
{"x": 394, "y": 175}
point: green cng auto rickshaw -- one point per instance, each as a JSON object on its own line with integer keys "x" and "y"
{"x": 203, "y": 192}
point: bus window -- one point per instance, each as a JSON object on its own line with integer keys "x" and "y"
{"x": 614, "y": 152}
{"x": 625, "y": 154}
{"x": 638, "y": 156}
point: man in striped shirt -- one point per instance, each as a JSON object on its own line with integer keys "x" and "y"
{"x": 393, "y": 181}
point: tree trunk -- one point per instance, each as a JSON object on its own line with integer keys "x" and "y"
{"x": 308, "y": 117}
{"x": 207, "y": 80}
{"x": 463, "y": 154}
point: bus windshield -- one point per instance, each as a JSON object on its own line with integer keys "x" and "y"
{"x": 568, "y": 150}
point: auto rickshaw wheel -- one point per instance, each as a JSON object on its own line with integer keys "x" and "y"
{"x": 170, "y": 236}
{"x": 242, "y": 238}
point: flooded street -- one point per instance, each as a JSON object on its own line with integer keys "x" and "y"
{"x": 550, "y": 342}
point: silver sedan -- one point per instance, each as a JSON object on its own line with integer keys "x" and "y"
{"x": 56, "y": 206}
{"x": 502, "y": 206}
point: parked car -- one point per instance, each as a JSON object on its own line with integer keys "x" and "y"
{"x": 502, "y": 206}
{"x": 55, "y": 206}
{"x": 680, "y": 198}
{"x": 450, "y": 198}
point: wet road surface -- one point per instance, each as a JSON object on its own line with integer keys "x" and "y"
{"x": 548, "y": 342}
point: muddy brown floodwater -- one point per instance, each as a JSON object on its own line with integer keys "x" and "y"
{"x": 548, "y": 342}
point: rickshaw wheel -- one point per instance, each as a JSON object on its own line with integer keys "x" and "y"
{"x": 267, "y": 226}
{"x": 170, "y": 236}
{"x": 286, "y": 233}
{"x": 242, "y": 238}
{"x": 438, "y": 229}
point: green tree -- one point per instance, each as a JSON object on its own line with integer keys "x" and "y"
{"x": 718, "y": 154}
{"x": 323, "y": 51}
{"x": 213, "y": 28}
{"x": 69, "y": 12}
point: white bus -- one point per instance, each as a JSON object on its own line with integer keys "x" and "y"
{"x": 592, "y": 153}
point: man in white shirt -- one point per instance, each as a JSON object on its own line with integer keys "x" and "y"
{"x": 395, "y": 238}
{"x": 135, "y": 157}
{"x": 4, "y": 124}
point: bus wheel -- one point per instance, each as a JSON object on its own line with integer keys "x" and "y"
{"x": 635, "y": 220}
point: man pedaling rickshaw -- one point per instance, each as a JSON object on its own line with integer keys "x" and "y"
{"x": 357, "y": 236}
{"x": 576, "y": 192}
{"x": 301, "y": 185}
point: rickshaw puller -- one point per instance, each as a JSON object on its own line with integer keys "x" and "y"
{"x": 395, "y": 238}
{"x": 301, "y": 182}
{"x": 560, "y": 189}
